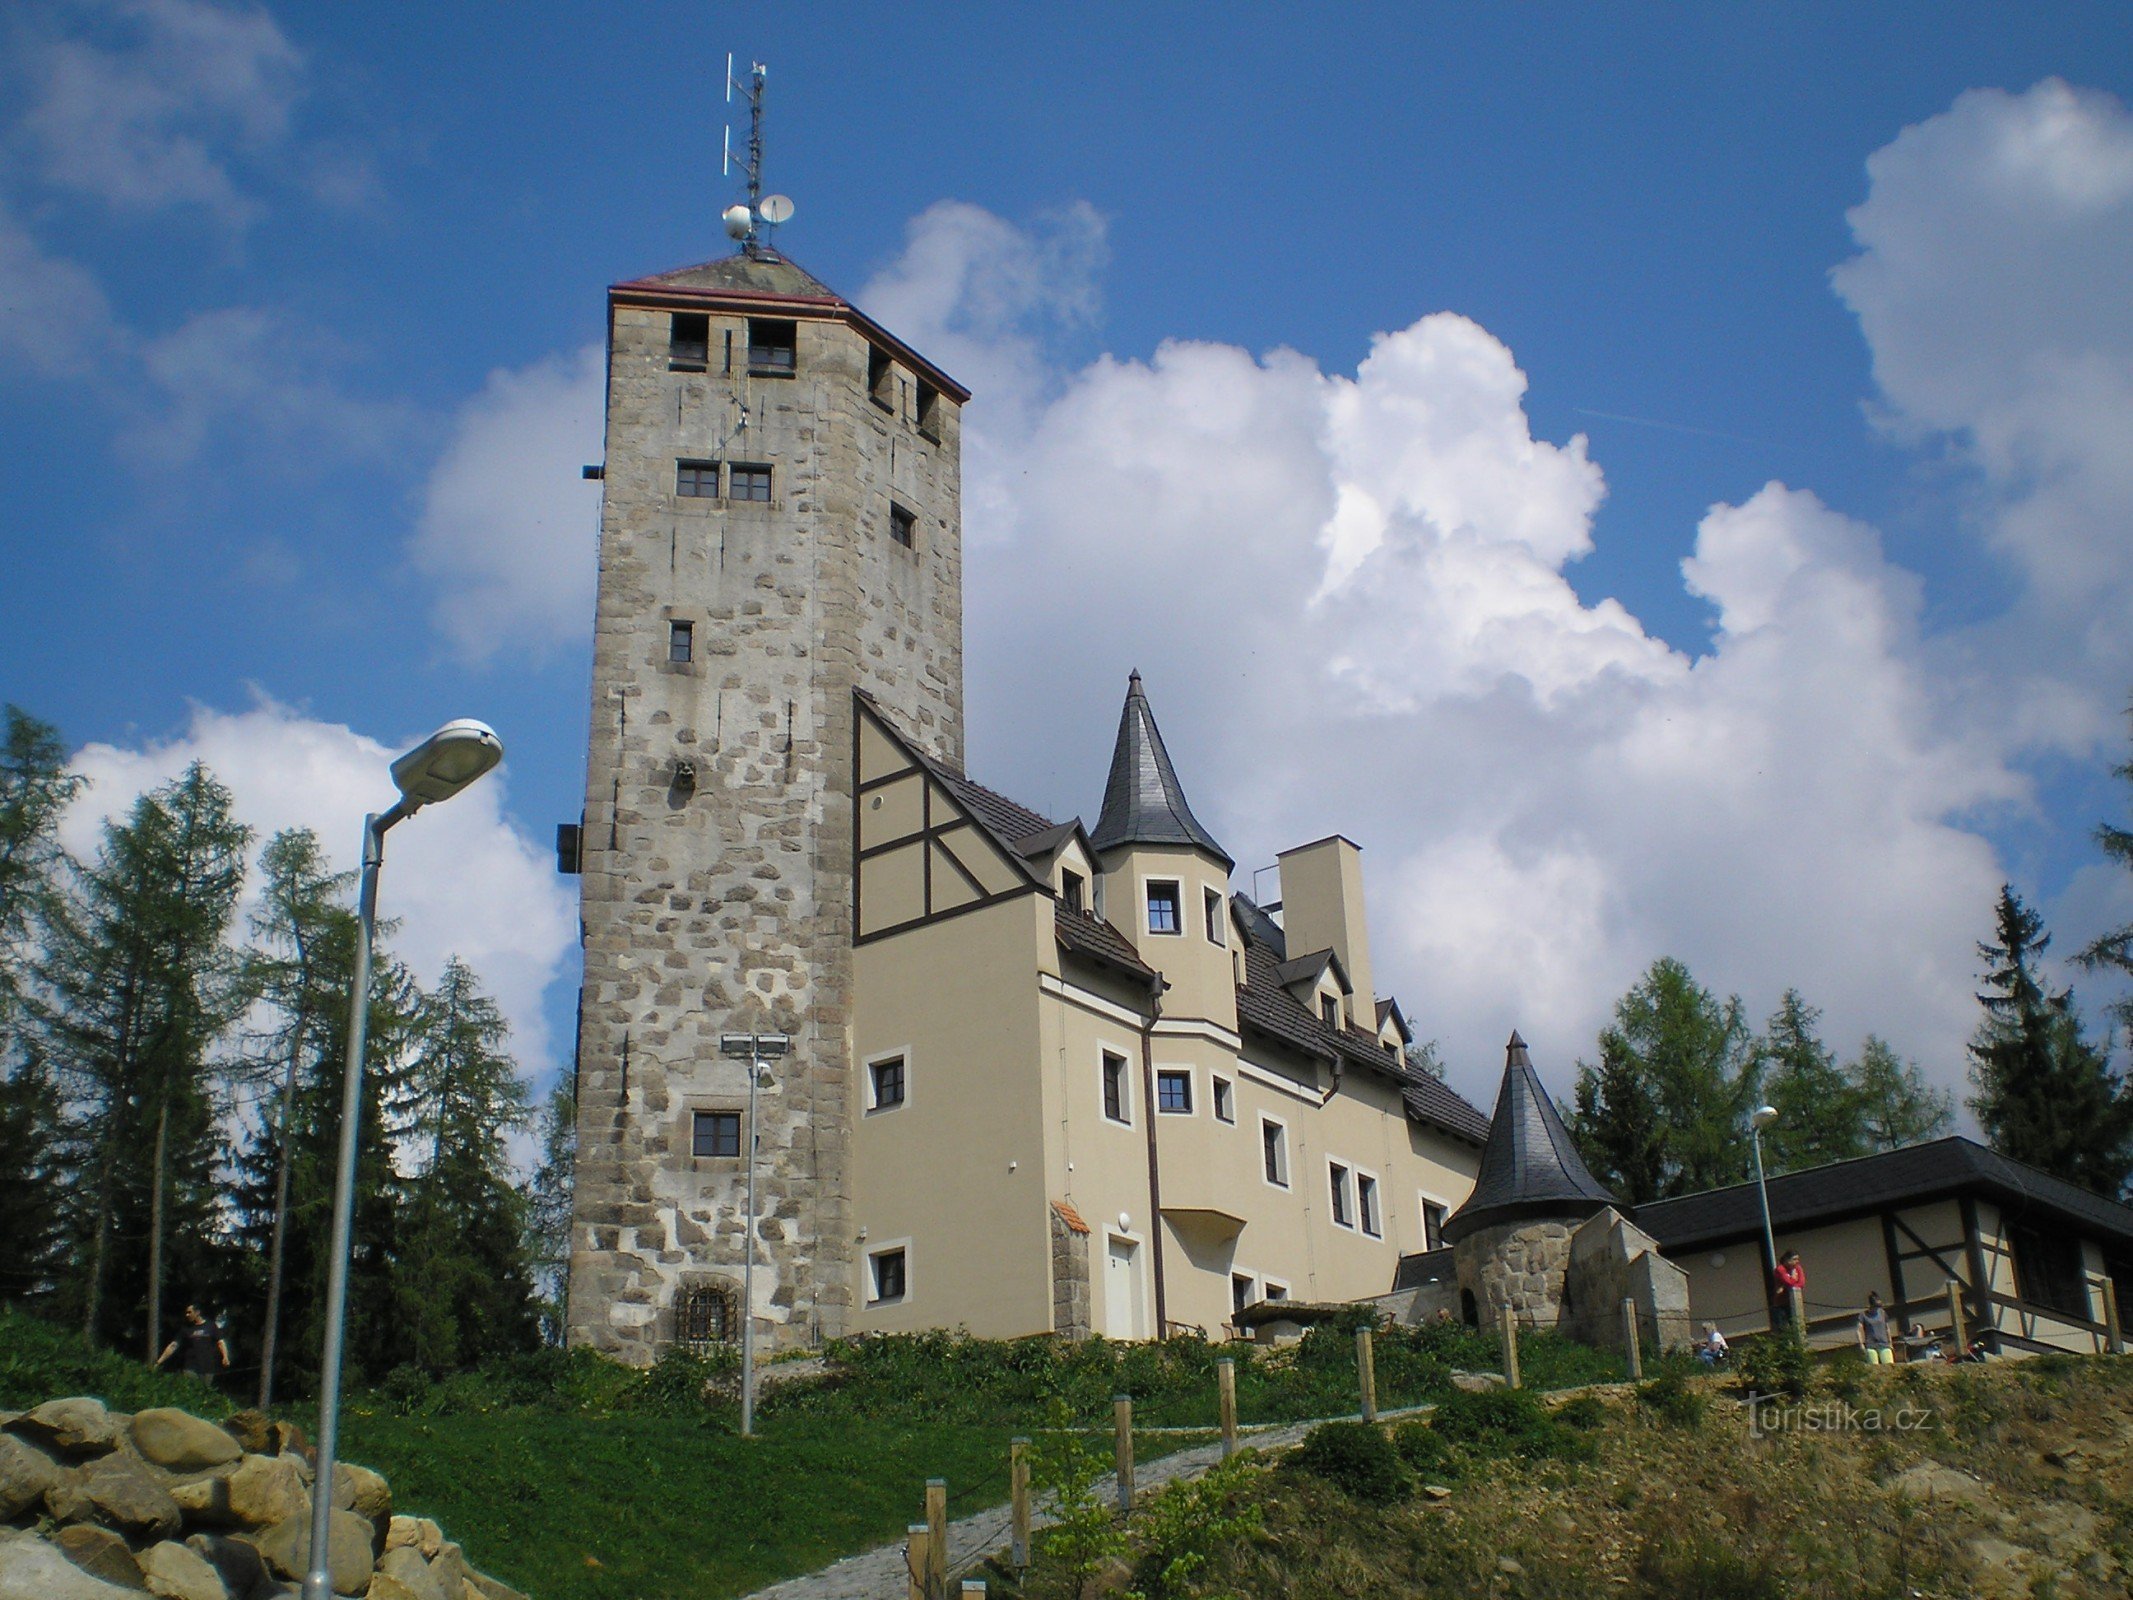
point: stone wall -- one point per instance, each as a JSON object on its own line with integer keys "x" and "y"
{"x": 717, "y": 831}
{"x": 1613, "y": 1260}
{"x": 1516, "y": 1266}
{"x": 1070, "y": 1276}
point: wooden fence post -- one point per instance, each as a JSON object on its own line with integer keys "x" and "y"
{"x": 1226, "y": 1389}
{"x": 1510, "y": 1348}
{"x": 1366, "y": 1372}
{"x": 1018, "y": 1492}
{"x": 1958, "y": 1334}
{"x": 1632, "y": 1341}
{"x": 2114, "y": 1339}
{"x": 917, "y": 1538}
{"x": 1122, "y": 1416}
{"x": 1796, "y": 1302}
{"x": 936, "y": 1539}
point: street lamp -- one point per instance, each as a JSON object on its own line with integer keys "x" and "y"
{"x": 755, "y": 1049}
{"x": 1760, "y": 1119}
{"x": 436, "y": 769}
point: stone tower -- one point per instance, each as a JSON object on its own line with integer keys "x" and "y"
{"x": 781, "y": 525}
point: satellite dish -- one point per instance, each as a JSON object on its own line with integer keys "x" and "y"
{"x": 776, "y": 208}
{"x": 740, "y": 222}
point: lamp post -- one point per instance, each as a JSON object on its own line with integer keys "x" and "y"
{"x": 436, "y": 769}
{"x": 1761, "y": 1118}
{"x": 755, "y": 1049}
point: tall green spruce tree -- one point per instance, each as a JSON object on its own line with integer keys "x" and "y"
{"x": 1662, "y": 1113}
{"x": 2045, "y": 1095}
{"x": 35, "y": 788}
{"x": 465, "y": 1288}
{"x": 2113, "y": 951}
{"x": 135, "y": 987}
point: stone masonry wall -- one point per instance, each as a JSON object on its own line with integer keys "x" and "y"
{"x": 1516, "y": 1266}
{"x": 1070, "y": 1278}
{"x": 717, "y": 844}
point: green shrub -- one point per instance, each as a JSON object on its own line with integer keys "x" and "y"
{"x": 41, "y": 1361}
{"x": 1491, "y": 1424}
{"x": 1584, "y": 1413}
{"x": 1185, "y": 1524}
{"x": 1357, "y": 1459}
{"x": 1775, "y": 1363}
{"x": 1425, "y": 1452}
{"x": 1671, "y": 1399}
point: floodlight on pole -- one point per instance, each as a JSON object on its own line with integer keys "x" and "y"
{"x": 1758, "y": 1120}
{"x": 436, "y": 769}
{"x": 755, "y": 1049}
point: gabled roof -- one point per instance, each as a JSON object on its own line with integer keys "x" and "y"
{"x": 1143, "y": 801}
{"x": 1092, "y": 937}
{"x": 1529, "y": 1167}
{"x": 1389, "y": 1007}
{"x": 1306, "y": 970}
{"x": 760, "y": 280}
{"x": 1860, "y": 1187}
{"x": 1046, "y": 844}
{"x": 1258, "y": 926}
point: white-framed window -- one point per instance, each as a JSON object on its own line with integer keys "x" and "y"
{"x": 1211, "y": 906}
{"x": 1073, "y": 889}
{"x": 1275, "y": 1291}
{"x": 1117, "y": 1088}
{"x": 889, "y": 1273}
{"x": 1434, "y": 1213}
{"x": 1225, "y": 1098}
{"x": 888, "y": 1081}
{"x": 1369, "y": 1215}
{"x": 1243, "y": 1290}
{"x": 1274, "y": 1151}
{"x": 1166, "y": 906}
{"x": 1341, "y": 1181}
{"x": 1173, "y": 1091}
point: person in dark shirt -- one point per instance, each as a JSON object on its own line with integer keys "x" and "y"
{"x": 206, "y": 1354}
{"x": 1874, "y": 1331}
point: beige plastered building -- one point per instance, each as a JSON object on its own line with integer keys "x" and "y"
{"x": 1040, "y": 1078}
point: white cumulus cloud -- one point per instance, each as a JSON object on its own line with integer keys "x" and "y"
{"x": 460, "y": 877}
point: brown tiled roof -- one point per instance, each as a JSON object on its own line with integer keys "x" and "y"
{"x": 1069, "y": 1216}
{"x": 1010, "y": 821}
{"x": 1099, "y": 941}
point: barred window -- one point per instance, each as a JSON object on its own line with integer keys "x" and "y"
{"x": 703, "y": 1316}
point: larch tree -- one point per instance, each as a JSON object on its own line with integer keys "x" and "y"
{"x": 1897, "y": 1107}
{"x": 1664, "y": 1111}
{"x": 135, "y": 988}
{"x": 2044, "y": 1094}
{"x": 548, "y": 1209}
{"x": 1820, "y": 1115}
{"x": 2113, "y": 951}
{"x": 35, "y": 789}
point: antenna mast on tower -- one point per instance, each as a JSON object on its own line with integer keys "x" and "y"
{"x": 753, "y": 220}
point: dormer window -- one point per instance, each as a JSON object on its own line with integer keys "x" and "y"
{"x": 1329, "y": 1010}
{"x": 1071, "y": 889}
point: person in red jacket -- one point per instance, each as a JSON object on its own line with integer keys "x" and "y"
{"x": 1790, "y": 1275}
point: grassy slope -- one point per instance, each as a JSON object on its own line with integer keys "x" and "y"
{"x": 573, "y": 1479}
{"x": 1699, "y": 1510}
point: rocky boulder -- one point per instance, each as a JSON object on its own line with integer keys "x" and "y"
{"x": 242, "y": 1569}
{"x": 30, "y": 1569}
{"x": 100, "y": 1553}
{"x": 287, "y": 1549}
{"x": 182, "y": 1442}
{"x": 79, "y": 1426}
{"x": 173, "y": 1572}
{"x": 118, "y": 1493}
{"x": 262, "y": 1491}
{"x": 362, "y": 1491}
{"x": 26, "y": 1475}
{"x": 404, "y": 1575}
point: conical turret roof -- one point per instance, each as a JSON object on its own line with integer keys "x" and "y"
{"x": 1143, "y": 801}
{"x": 1529, "y": 1167}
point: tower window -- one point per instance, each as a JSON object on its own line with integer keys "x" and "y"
{"x": 929, "y": 410}
{"x": 1211, "y": 903}
{"x": 749, "y": 482}
{"x": 903, "y": 526}
{"x": 773, "y": 348}
{"x": 681, "y": 642}
{"x": 1173, "y": 1092}
{"x": 689, "y": 342}
{"x": 1115, "y": 1104}
{"x": 696, "y": 480}
{"x": 881, "y": 378}
{"x": 1163, "y": 912}
{"x": 703, "y": 1317}
{"x": 1225, "y": 1101}
{"x": 887, "y": 1083}
{"x": 717, "y": 1133}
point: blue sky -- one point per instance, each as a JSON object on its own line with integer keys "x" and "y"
{"x": 294, "y": 302}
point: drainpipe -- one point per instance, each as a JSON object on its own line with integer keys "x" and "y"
{"x": 1155, "y": 1179}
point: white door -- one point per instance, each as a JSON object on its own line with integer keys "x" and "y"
{"x": 1122, "y": 1291}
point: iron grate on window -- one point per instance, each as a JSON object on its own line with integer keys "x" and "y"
{"x": 703, "y": 1317}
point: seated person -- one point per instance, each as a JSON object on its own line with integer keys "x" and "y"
{"x": 1714, "y": 1348}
